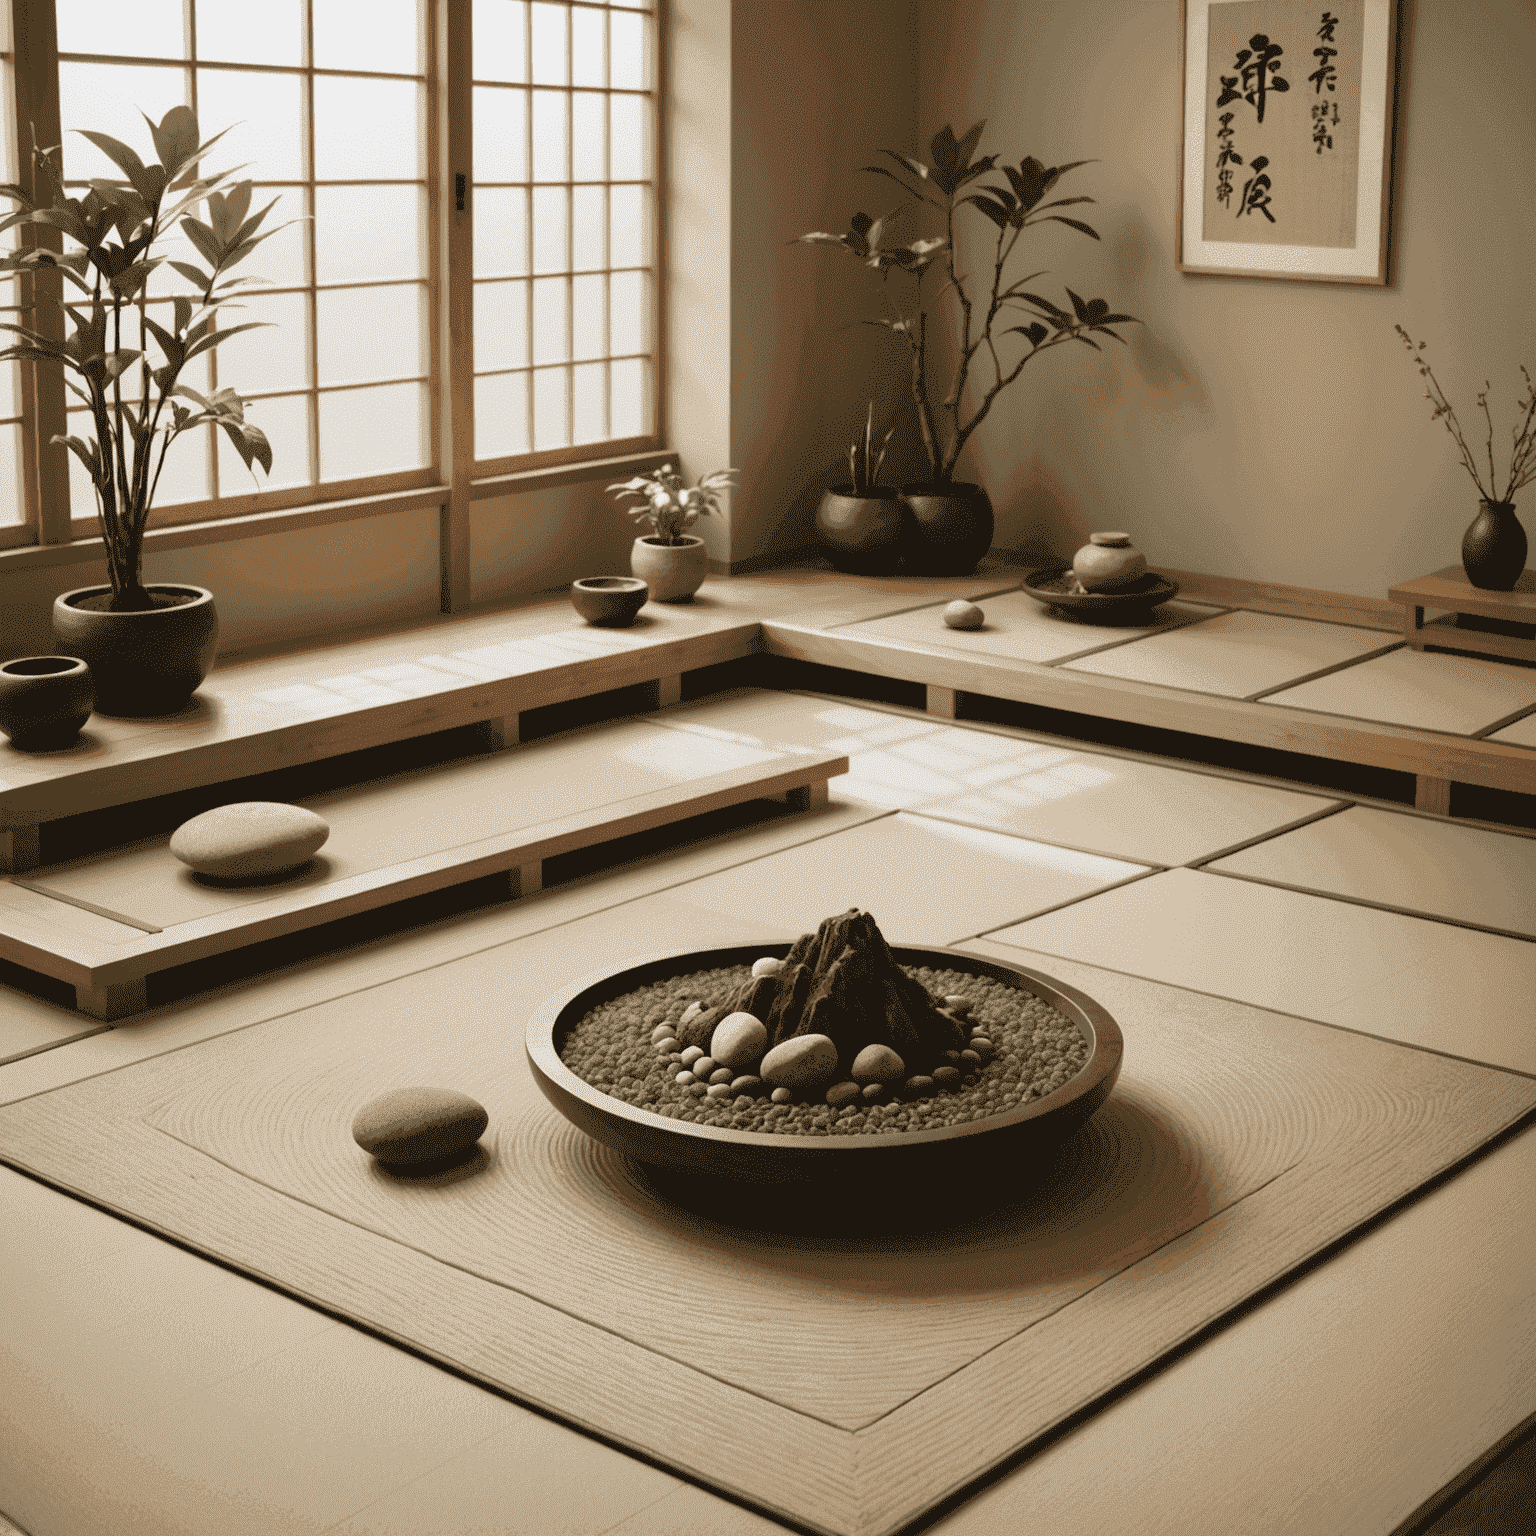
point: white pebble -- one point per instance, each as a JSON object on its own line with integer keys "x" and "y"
{"x": 767, "y": 966}
{"x": 667, "y": 1046}
{"x": 685, "y": 1077}
{"x": 719, "y": 1090}
{"x": 661, "y": 1032}
{"x": 781, "y": 1095}
{"x": 703, "y": 1065}
{"x": 690, "y": 1011}
{"x": 738, "y": 1040}
{"x": 963, "y": 615}
{"x": 691, "y": 1055}
{"x": 720, "y": 1075}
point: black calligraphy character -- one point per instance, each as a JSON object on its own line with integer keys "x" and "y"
{"x": 1325, "y": 73}
{"x": 1320, "y": 134}
{"x": 1256, "y": 190}
{"x": 1325, "y": 32}
{"x": 1227, "y": 158}
{"x": 1229, "y": 90}
{"x": 1258, "y": 65}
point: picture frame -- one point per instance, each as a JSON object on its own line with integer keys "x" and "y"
{"x": 1286, "y": 167}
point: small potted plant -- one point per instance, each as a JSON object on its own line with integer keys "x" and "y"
{"x": 670, "y": 560}
{"x": 149, "y": 646}
{"x": 859, "y": 524}
{"x": 1493, "y": 548}
{"x": 951, "y": 525}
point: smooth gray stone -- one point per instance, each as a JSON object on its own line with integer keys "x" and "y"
{"x": 419, "y": 1125}
{"x": 250, "y": 839}
{"x": 803, "y": 1063}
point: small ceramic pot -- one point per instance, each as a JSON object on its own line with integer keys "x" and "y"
{"x": 861, "y": 533}
{"x": 147, "y": 663}
{"x": 672, "y": 572}
{"x": 1108, "y": 563}
{"x": 1493, "y": 548}
{"x": 610, "y": 600}
{"x": 44, "y": 700}
{"x": 950, "y": 529}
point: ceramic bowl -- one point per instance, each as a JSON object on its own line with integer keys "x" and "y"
{"x": 609, "y": 600}
{"x": 1132, "y": 606}
{"x": 44, "y": 700}
{"x": 1000, "y": 1149}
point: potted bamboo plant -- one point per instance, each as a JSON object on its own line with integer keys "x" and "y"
{"x": 670, "y": 560}
{"x": 859, "y": 524}
{"x": 149, "y": 646}
{"x": 951, "y": 525}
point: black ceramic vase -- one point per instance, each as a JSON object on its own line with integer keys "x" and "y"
{"x": 148, "y": 663}
{"x": 861, "y": 533}
{"x": 950, "y": 528}
{"x": 44, "y": 700}
{"x": 1493, "y": 548}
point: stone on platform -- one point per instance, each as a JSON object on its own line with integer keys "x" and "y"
{"x": 251, "y": 839}
{"x": 419, "y": 1125}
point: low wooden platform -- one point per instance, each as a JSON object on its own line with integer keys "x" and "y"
{"x": 105, "y": 923}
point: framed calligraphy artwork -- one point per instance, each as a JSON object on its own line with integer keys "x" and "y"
{"x": 1287, "y": 163}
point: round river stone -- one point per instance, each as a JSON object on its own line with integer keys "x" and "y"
{"x": 963, "y": 615}
{"x": 250, "y": 839}
{"x": 419, "y": 1125}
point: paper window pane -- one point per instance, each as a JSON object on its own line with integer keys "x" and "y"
{"x": 629, "y": 240}
{"x": 373, "y": 431}
{"x": 226, "y": 29}
{"x": 589, "y": 316}
{"x": 501, "y": 325}
{"x": 284, "y": 259}
{"x": 500, "y": 134}
{"x": 13, "y": 504}
{"x": 383, "y": 35}
{"x": 549, "y": 44}
{"x": 500, "y": 42}
{"x": 371, "y": 333}
{"x": 273, "y": 358}
{"x": 630, "y": 398}
{"x": 286, "y": 422}
{"x": 10, "y": 382}
{"x": 82, "y": 494}
{"x": 501, "y": 232}
{"x": 146, "y": 29}
{"x": 589, "y": 63}
{"x": 589, "y": 228}
{"x": 551, "y": 335}
{"x": 106, "y": 98}
{"x": 629, "y": 144}
{"x": 265, "y": 118}
{"x": 551, "y": 403}
{"x": 369, "y": 129}
{"x": 589, "y": 136}
{"x": 370, "y": 232}
{"x": 629, "y": 325}
{"x": 501, "y": 415}
{"x": 551, "y": 252}
{"x": 185, "y": 475}
{"x": 630, "y": 40}
{"x": 549, "y": 146}
{"x": 590, "y": 407}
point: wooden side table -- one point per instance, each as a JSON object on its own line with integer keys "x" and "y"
{"x": 1486, "y": 623}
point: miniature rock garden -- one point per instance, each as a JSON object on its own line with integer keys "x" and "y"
{"x": 835, "y": 1039}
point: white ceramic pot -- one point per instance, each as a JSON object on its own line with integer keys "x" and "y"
{"x": 1108, "y": 563}
{"x": 671, "y": 572}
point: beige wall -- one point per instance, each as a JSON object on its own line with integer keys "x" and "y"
{"x": 1254, "y": 428}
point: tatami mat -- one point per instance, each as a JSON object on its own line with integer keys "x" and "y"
{"x": 925, "y": 881}
{"x": 1236, "y": 654}
{"x": 1023, "y": 630}
{"x": 1463, "y": 873}
{"x": 1426, "y": 983}
{"x": 1430, "y": 690}
{"x": 1520, "y": 733}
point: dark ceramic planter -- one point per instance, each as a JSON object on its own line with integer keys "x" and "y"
{"x": 1493, "y": 548}
{"x": 609, "y": 600}
{"x": 44, "y": 700}
{"x": 950, "y": 528}
{"x": 146, "y": 663}
{"x": 861, "y": 534}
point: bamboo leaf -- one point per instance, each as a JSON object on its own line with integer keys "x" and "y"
{"x": 175, "y": 139}
{"x": 191, "y": 273}
{"x": 993, "y": 210}
{"x": 120, "y": 361}
{"x": 1078, "y": 305}
{"x": 187, "y": 392}
{"x": 11, "y": 190}
{"x": 182, "y": 307}
{"x": 1061, "y": 218}
{"x": 124, "y": 158}
{"x": 173, "y": 349}
{"x": 216, "y": 338}
{"x": 84, "y": 450}
{"x": 250, "y": 443}
{"x": 208, "y": 244}
{"x": 66, "y": 219}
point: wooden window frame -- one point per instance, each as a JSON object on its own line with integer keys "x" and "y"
{"x": 49, "y": 535}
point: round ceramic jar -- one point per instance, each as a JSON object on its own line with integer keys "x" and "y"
{"x": 44, "y": 700}
{"x": 1108, "y": 562}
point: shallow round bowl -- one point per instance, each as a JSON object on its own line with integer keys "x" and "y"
{"x": 1007, "y": 1145}
{"x": 610, "y": 600}
{"x": 1133, "y": 605}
